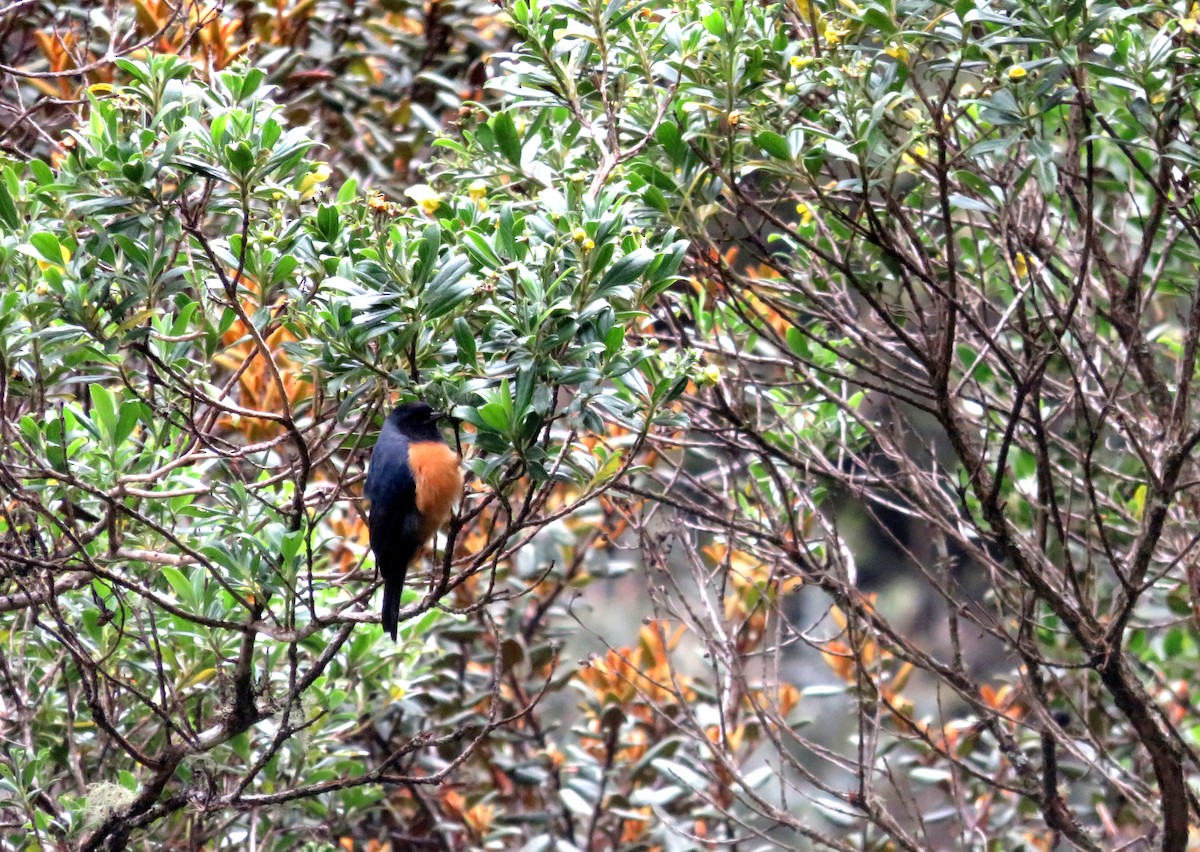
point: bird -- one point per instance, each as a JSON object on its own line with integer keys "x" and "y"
{"x": 413, "y": 481}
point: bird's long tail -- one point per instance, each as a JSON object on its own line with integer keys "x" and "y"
{"x": 392, "y": 587}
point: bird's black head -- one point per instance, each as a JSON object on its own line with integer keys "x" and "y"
{"x": 417, "y": 421}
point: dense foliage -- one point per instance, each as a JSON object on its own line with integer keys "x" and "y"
{"x": 371, "y": 80}
{"x": 712, "y": 287}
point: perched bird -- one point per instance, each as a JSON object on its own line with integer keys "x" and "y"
{"x": 412, "y": 482}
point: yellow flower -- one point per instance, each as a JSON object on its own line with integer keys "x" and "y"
{"x": 734, "y": 118}
{"x": 836, "y": 31}
{"x": 915, "y": 151}
{"x": 588, "y": 245}
{"x": 428, "y": 200}
{"x": 308, "y": 184}
{"x": 477, "y": 190}
{"x": 710, "y": 375}
{"x": 806, "y": 213}
{"x": 1017, "y": 73}
{"x": 1188, "y": 24}
{"x": 579, "y": 235}
{"x": 897, "y": 51}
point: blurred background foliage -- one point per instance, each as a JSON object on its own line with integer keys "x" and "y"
{"x": 712, "y": 288}
{"x": 373, "y": 81}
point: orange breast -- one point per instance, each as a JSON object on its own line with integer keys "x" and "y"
{"x": 439, "y": 481}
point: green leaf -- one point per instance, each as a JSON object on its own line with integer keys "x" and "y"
{"x": 290, "y": 545}
{"x": 249, "y": 84}
{"x": 464, "y": 339}
{"x": 104, "y": 409}
{"x": 136, "y": 70}
{"x": 240, "y": 158}
{"x": 8, "y": 209}
{"x": 574, "y": 802}
{"x": 1173, "y": 643}
{"x": 481, "y": 251}
{"x": 283, "y": 268}
{"x": 506, "y": 233}
{"x": 648, "y": 796}
{"x": 669, "y": 136}
{"x": 180, "y": 584}
{"x": 962, "y": 202}
{"x": 41, "y": 172}
{"x": 627, "y": 269}
{"x": 47, "y": 245}
{"x": 447, "y": 290}
{"x": 131, "y": 411}
{"x": 427, "y": 252}
{"x": 653, "y": 196}
{"x": 714, "y": 22}
{"x": 347, "y": 192}
{"x": 494, "y": 416}
{"x": 876, "y": 17}
{"x": 929, "y": 775}
{"x": 505, "y": 128}
{"x": 614, "y": 341}
{"x": 681, "y": 771}
{"x": 797, "y": 342}
{"x": 773, "y": 144}
{"x": 327, "y": 222}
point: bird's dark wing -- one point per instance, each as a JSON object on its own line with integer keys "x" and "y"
{"x": 393, "y": 519}
{"x": 389, "y": 478}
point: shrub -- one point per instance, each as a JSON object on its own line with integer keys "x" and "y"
{"x": 198, "y": 343}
